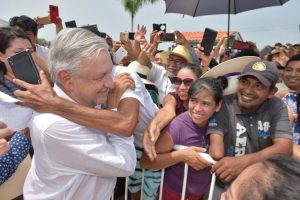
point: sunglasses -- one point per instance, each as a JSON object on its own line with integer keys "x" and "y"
{"x": 186, "y": 82}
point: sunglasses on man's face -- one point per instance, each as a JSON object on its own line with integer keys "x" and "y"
{"x": 186, "y": 81}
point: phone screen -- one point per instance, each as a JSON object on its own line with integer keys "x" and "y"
{"x": 167, "y": 37}
{"x": 24, "y": 68}
{"x": 208, "y": 40}
{"x": 53, "y": 10}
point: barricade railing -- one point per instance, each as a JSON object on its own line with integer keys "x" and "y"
{"x": 185, "y": 175}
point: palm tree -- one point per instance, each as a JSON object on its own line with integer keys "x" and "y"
{"x": 132, "y": 6}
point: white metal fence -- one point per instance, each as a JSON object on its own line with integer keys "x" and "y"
{"x": 177, "y": 147}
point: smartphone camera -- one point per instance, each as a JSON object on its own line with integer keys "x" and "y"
{"x": 167, "y": 37}
{"x": 131, "y": 35}
{"x": 160, "y": 27}
{"x": 71, "y": 24}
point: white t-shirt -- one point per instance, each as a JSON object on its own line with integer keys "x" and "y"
{"x": 147, "y": 109}
{"x": 158, "y": 75}
{"x": 75, "y": 162}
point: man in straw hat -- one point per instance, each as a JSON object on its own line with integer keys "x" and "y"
{"x": 162, "y": 77}
{"x": 254, "y": 123}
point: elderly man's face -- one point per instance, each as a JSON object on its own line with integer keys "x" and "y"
{"x": 237, "y": 189}
{"x": 174, "y": 64}
{"x": 91, "y": 84}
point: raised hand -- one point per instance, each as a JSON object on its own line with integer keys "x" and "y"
{"x": 122, "y": 83}
{"x": 139, "y": 35}
{"x": 41, "y": 97}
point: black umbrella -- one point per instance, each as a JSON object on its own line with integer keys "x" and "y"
{"x": 212, "y": 7}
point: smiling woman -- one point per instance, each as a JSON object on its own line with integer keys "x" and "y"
{"x": 190, "y": 129}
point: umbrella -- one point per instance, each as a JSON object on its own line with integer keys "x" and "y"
{"x": 212, "y": 7}
{"x": 3, "y": 23}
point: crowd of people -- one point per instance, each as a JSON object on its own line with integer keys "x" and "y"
{"x": 95, "y": 118}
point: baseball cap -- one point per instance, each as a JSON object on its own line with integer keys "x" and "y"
{"x": 266, "y": 72}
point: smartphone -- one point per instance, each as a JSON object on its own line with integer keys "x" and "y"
{"x": 53, "y": 10}
{"x": 131, "y": 35}
{"x": 71, "y": 24}
{"x": 119, "y": 55}
{"x": 167, "y": 37}
{"x": 43, "y": 20}
{"x": 208, "y": 40}
{"x": 160, "y": 27}
{"x": 24, "y": 68}
{"x": 124, "y": 35}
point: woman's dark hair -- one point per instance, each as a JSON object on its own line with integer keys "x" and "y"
{"x": 214, "y": 86}
{"x": 7, "y": 34}
{"x": 193, "y": 68}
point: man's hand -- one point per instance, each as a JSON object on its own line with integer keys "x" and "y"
{"x": 41, "y": 97}
{"x": 182, "y": 40}
{"x": 139, "y": 35}
{"x": 149, "y": 139}
{"x": 4, "y": 132}
{"x": 193, "y": 159}
{"x": 122, "y": 83}
{"x": 228, "y": 168}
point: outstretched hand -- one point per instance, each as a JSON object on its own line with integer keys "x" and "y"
{"x": 150, "y": 137}
{"x": 38, "y": 97}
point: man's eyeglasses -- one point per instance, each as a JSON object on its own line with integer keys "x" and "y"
{"x": 176, "y": 62}
{"x": 187, "y": 81}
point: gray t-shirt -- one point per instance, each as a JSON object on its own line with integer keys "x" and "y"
{"x": 245, "y": 133}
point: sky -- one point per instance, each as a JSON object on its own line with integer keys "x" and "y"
{"x": 264, "y": 26}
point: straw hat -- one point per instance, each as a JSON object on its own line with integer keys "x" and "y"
{"x": 231, "y": 69}
{"x": 141, "y": 70}
{"x": 180, "y": 51}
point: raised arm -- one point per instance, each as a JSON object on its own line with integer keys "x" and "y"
{"x": 162, "y": 118}
{"x": 42, "y": 98}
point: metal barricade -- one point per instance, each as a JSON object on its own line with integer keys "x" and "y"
{"x": 176, "y": 147}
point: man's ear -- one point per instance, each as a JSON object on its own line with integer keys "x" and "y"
{"x": 64, "y": 78}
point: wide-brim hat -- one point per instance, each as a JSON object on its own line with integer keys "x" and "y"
{"x": 141, "y": 70}
{"x": 231, "y": 69}
{"x": 180, "y": 51}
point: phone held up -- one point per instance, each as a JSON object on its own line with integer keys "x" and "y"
{"x": 208, "y": 40}
{"x": 54, "y": 16}
{"x": 125, "y": 35}
{"x": 160, "y": 27}
{"x": 167, "y": 37}
{"x": 24, "y": 68}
